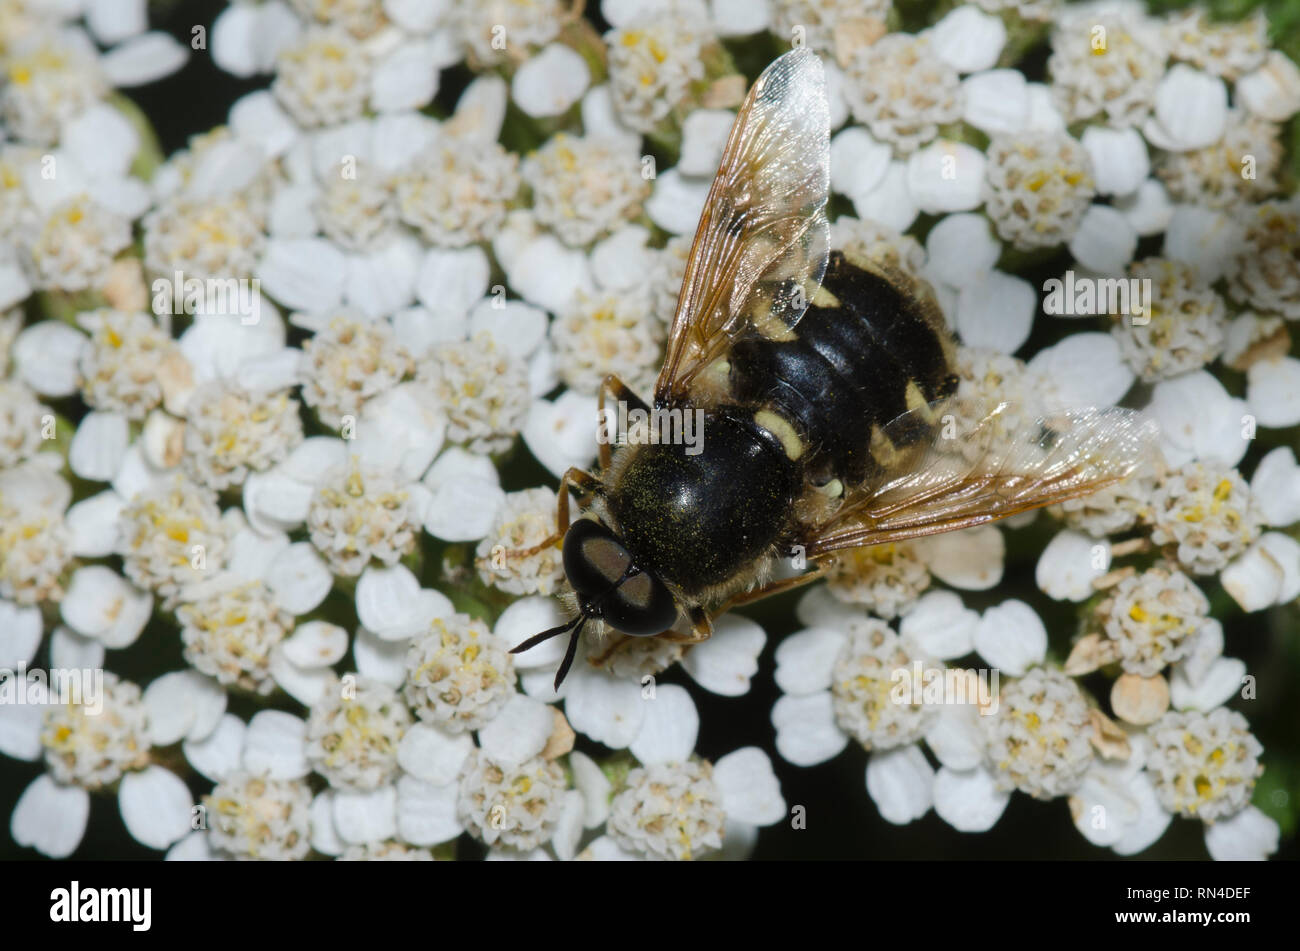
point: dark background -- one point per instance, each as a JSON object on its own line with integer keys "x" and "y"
{"x": 842, "y": 822}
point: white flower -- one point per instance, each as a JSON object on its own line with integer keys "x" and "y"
{"x": 1155, "y": 619}
{"x": 1204, "y": 765}
{"x": 820, "y": 20}
{"x": 1265, "y": 275}
{"x": 584, "y": 188}
{"x": 360, "y": 512}
{"x": 455, "y": 192}
{"x": 263, "y": 818}
{"x": 901, "y": 91}
{"x": 482, "y": 386}
{"x": 1106, "y": 61}
{"x": 170, "y": 533}
{"x": 1038, "y": 185}
{"x": 524, "y": 521}
{"x": 458, "y": 674}
{"x": 35, "y": 544}
{"x": 1206, "y": 514}
{"x": 322, "y": 78}
{"x": 231, "y": 431}
{"x": 1184, "y": 329}
{"x": 968, "y": 39}
{"x": 1227, "y": 49}
{"x": 229, "y": 627}
{"x": 353, "y": 734}
{"x": 349, "y": 361}
{"x": 87, "y": 750}
{"x": 1038, "y": 739}
{"x": 524, "y": 25}
{"x": 608, "y": 333}
{"x": 653, "y": 61}
{"x": 1214, "y": 175}
{"x": 1191, "y": 110}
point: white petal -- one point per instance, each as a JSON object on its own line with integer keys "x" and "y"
{"x": 677, "y": 201}
{"x": 609, "y": 711}
{"x": 111, "y": 21}
{"x": 275, "y": 745}
{"x": 94, "y": 524}
{"x": 901, "y": 784}
{"x": 20, "y": 724}
{"x": 1119, "y": 159}
{"x": 1086, "y": 369}
{"x": 433, "y": 756}
{"x": 1148, "y": 209}
{"x": 563, "y": 433}
{"x": 466, "y": 496}
{"x": 50, "y": 818}
{"x": 568, "y": 828}
{"x": 1221, "y": 682}
{"x": 1069, "y": 564}
{"x": 258, "y": 118}
{"x": 378, "y": 659}
{"x": 956, "y": 738}
{"x": 621, "y": 261}
{"x": 324, "y": 837}
{"x": 750, "y": 790}
{"x": 1273, "y": 90}
{"x": 940, "y": 625}
{"x": 591, "y": 781}
{"x": 891, "y": 202}
{"x": 961, "y": 250}
{"x": 968, "y": 801}
{"x": 725, "y": 662}
{"x": 183, "y": 704}
{"x": 968, "y": 39}
{"x": 407, "y": 78}
{"x": 1204, "y": 238}
{"x": 858, "y": 162}
{"x": 378, "y": 283}
{"x": 303, "y": 273}
{"x": 415, "y": 16}
{"x": 388, "y": 602}
{"x": 550, "y": 82}
{"x": 996, "y": 100}
{"x": 1191, "y": 110}
{"x": 804, "y": 661}
{"x": 529, "y": 616}
{"x": 516, "y": 327}
{"x": 704, "y": 134}
{"x": 219, "y": 754}
{"x": 316, "y": 644}
{"x": 300, "y": 579}
{"x": 946, "y": 176}
{"x": 1254, "y": 579}
{"x": 194, "y": 847}
{"x": 307, "y": 685}
{"x": 1151, "y": 821}
{"x": 103, "y": 140}
{"x": 426, "y": 814}
{"x": 1207, "y": 647}
{"x": 100, "y": 603}
{"x": 143, "y": 59}
{"x": 669, "y": 729}
{"x": 1250, "y": 835}
{"x": 1105, "y": 241}
{"x": 1285, "y": 551}
{"x": 1276, "y": 486}
{"x": 519, "y": 732}
{"x": 995, "y": 312}
{"x": 806, "y": 733}
{"x": 22, "y": 634}
{"x": 970, "y": 559}
{"x": 71, "y": 650}
{"x": 1273, "y": 391}
{"x": 156, "y": 806}
{"x": 361, "y": 817}
{"x": 740, "y": 17}
{"x": 1011, "y": 637}
{"x": 550, "y": 275}
{"x": 46, "y": 355}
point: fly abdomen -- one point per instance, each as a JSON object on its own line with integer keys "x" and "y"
{"x": 864, "y": 353}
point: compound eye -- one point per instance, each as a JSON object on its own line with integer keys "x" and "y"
{"x": 640, "y": 606}
{"x": 593, "y": 558}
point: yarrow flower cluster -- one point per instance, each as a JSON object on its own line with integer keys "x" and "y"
{"x": 291, "y": 407}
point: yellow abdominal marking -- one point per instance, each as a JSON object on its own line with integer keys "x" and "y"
{"x": 780, "y": 427}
